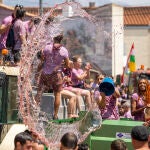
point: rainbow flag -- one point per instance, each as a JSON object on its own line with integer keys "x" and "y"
{"x": 132, "y": 65}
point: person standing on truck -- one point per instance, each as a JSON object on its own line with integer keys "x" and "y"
{"x": 5, "y": 25}
{"x": 51, "y": 71}
{"x": 140, "y": 100}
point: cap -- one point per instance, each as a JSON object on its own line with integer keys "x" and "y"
{"x": 140, "y": 133}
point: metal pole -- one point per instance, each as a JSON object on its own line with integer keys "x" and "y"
{"x": 40, "y": 7}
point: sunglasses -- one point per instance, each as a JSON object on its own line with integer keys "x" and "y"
{"x": 20, "y": 6}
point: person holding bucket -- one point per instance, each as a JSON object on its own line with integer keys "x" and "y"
{"x": 106, "y": 98}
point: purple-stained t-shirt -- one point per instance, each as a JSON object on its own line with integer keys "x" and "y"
{"x": 75, "y": 73}
{"x": 128, "y": 115}
{"x": 139, "y": 104}
{"x": 3, "y": 36}
{"x": 29, "y": 30}
{"x": 53, "y": 58}
{"x": 19, "y": 30}
{"x": 111, "y": 110}
{"x": 95, "y": 86}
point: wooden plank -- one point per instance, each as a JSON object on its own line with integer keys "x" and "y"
{"x": 11, "y": 71}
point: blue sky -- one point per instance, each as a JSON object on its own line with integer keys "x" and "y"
{"x": 83, "y": 2}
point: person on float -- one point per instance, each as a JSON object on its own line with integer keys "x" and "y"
{"x": 78, "y": 75}
{"x": 5, "y": 25}
{"x": 51, "y": 75}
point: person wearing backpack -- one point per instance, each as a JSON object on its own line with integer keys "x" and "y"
{"x": 5, "y": 25}
{"x": 19, "y": 35}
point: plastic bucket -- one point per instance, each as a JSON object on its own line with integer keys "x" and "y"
{"x": 107, "y": 86}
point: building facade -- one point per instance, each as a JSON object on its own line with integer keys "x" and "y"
{"x": 137, "y": 30}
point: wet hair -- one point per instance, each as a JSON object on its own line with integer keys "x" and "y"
{"x": 17, "y": 57}
{"x": 75, "y": 58}
{"x": 20, "y": 6}
{"x": 83, "y": 146}
{"x": 69, "y": 140}
{"x": 141, "y": 78}
{"x": 28, "y": 132}
{"x": 147, "y": 91}
{"x": 22, "y": 137}
{"x": 99, "y": 76}
{"x": 58, "y": 38}
{"x": 126, "y": 104}
{"x": 49, "y": 19}
{"x": 31, "y": 134}
{"x": 118, "y": 145}
{"x": 20, "y": 13}
{"x": 36, "y": 20}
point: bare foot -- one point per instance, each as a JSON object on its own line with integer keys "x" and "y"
{"x": 75, "y": 116}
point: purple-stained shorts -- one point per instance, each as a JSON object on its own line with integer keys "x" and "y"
{"x": 54, "y": 80}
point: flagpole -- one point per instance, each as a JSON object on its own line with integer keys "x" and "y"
{"x": 127, "y": 62}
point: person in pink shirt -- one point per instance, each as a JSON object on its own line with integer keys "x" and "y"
{"x": 127, "y": 110}
{"x": 107, "y": 104}
{"x": 5, "y": 25}
{"x": 52, "y": 56}
{"x": 139, "y": 100}
{"x": 78, "y": 76}
{"x": 19, "y": 35}
{"x": 30, "y": 25}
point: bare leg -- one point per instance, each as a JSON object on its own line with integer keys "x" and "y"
{"x": 56, "y": 104}
{"x": 39, "y": 95}
{"x": 87, "y": 95}
{"x": 78, "y": 97}
{"x": 72, "y": 102}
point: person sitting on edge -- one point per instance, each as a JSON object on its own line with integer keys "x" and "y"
{"x": 78, "y": 76}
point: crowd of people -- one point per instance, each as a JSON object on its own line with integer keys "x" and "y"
{"x": 67, "y": 77}
{"x": 28, "y": 140}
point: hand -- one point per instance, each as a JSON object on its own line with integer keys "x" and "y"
{"x": 148, "y": 105}
{"x": 88, "y": 66}
{"x": 102, "y": 94}
{"x": 65, "y": 78}
{"x": 147, "y": 123}
{"x": 9, "y": 24}
{"x": 71, "y": 64}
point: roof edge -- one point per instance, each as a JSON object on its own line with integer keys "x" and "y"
{"x": 12, "y": 8}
